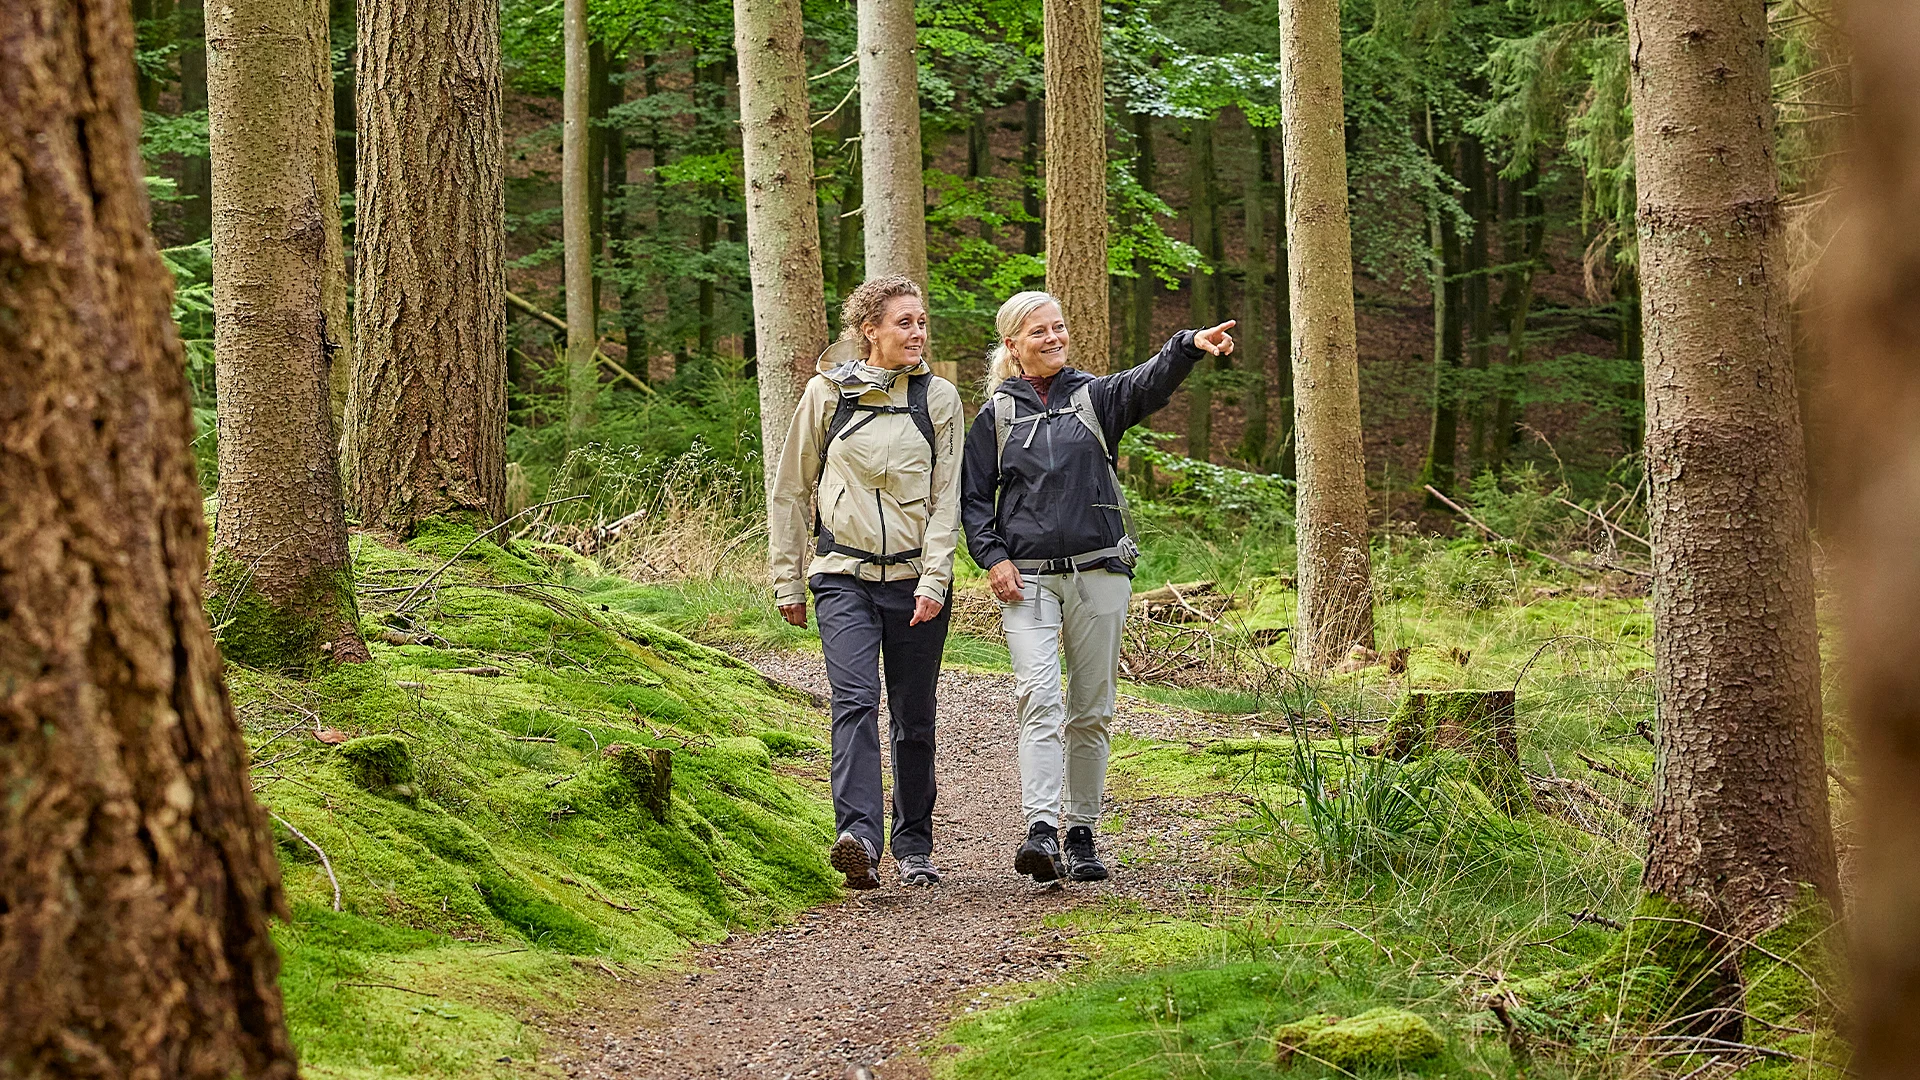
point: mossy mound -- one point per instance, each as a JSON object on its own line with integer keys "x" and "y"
{"x": 477, "y": 804}
{"x": 1378, "y": 1038}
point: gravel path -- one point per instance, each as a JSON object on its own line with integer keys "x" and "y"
{"x": 868, "y": 981}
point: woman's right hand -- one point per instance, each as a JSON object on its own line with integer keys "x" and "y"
{"x": 1006, "y": 582}
{"x": 794, "y": 613}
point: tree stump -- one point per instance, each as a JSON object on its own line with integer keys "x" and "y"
{"x": 1479, "y": 724}
{"x": 649, "y": 770}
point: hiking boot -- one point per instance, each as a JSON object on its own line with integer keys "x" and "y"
{"x": 1082, "y": 863}
{"x": 1039, "y": 854}
{"x": 851, "y": 856}
{"x": 918, "y": 870}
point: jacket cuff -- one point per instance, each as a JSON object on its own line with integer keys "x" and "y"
{"x": 789, "y": 592}
{"x": 1184, "y": 339}
{"x": 990, "y": 556}
{"x": 932, "y": 590}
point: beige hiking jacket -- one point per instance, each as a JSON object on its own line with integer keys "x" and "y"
{"x": 882, "y": 490}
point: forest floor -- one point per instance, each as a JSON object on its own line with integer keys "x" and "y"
{"x": 869, "y": 981}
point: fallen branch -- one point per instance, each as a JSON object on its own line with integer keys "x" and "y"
{"x": 1489, "y": 530}
{"x": 1841, "y": 779}
{"x": 595, "y": 893}
{"x": 485, "y": 671}
{"x": 468, "y": 546}
{"x": 548, "y": 317}
{"x": 1610, "y": 770}
{"x": 389, "y": 986}
{"x": 534, "y": 738}
{"x": 1610, "y": 526}
{"x": 325, "y": 862}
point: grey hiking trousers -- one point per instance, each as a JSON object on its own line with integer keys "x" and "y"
{"x": 861, "y": 622}
{"x": 1063, "y": 735}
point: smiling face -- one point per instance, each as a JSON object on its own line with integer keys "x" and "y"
{"x": 898, "y": 339}
{"x": 1041, "y": 342}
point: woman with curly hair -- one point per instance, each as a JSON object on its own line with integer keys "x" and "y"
{"x": 871, "y": 475}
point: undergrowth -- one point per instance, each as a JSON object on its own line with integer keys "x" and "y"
{"x": 497, "y": 864}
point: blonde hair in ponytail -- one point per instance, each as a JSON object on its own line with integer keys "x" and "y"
{"x": 1001, "y": 363}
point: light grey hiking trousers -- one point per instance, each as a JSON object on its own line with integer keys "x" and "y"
{"x": 1063, "y": 735}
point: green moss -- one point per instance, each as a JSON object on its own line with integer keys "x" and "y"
{"x": 283, "y": 634}
{"x": 787, "y": 743}
{"x": 648, "y": 772}
{"x": 380, "y": 764}
{"x": 1479, "y": 724}
{"x": 1792, "y": 982}
{"x": 539, "y": 918}
{"x": 1378, "y": 1038}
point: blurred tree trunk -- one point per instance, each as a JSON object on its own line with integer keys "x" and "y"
{"x": 1201, "y": 215}
{"x": 196, "y": 176}
{"x": 1032, "y": 242}
{"x": 1282, "y": 306}
{"x": 847, "y": 224}
{"x": 1144, "y": 292}
{"x": 336, "y": 296}
{"x": 1336, "y": 594}
{"x": 1871, "y": 492}
{"x": 980, "y": 160}
{"x": 1252, "y": 318}
{"x": 783, "y": 220}
{"x": 1443, "y": 436}
{"x": 708, "y": 88}
{"x": 137, "y": 874}
{"x": 633, "y": 314}
{"x": 1739, "y": 822}
{"x": 1477, "y": 321}
{"x": 576, "y": 214}
{"x": 1526, "y": 243}
{"x": 1077, "y": 178}
{"x": 896, "y": 198}
{"x": 1632, "y": 349}
{"x": 427, "y": 414}
{"x": 152, "y": 19}
{"x": 281, "y": 578}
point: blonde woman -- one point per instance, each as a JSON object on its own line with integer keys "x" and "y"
{"x": 1045, "y": 515}
{"x": 869, "y": 481}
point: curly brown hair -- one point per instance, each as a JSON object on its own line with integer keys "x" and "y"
{"x": 866, "y": 303}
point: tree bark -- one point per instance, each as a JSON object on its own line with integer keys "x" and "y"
{"x": 137, "y": 874}
{"x": 1477, "y": 320}
{"x": 1077, "y": 177}
{"x": 281, "y": 578}
{"x": 1443, "y": 432}
{"x": 1739, "y": 819}
{"x": 847, "y": 225}
{"x": 783, "y": 219}
{"x": 1282, "y": 311}
{"x": 426, "y": 419}
{"x": 1032, "y": 240}
{"x": 576, "y": 227}
{"x": 896, "y": 197}
{"x": 1144, "y": 292}
{"x": 1202, "y": 214}
{"x": 1527, "y": 241}
{"x": 1251, "y": 328}
{"x": 1336, "y": 594}
{"x": 196, "y": 176}
{"x": 633, "y": 316}
{"x": 1872, "y": 478}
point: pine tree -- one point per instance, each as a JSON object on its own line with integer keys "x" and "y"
{"x": 895, "y": 213}
{"x": 427, "y": 416}
{"x": 783, "y": 218}
{"x": 1077, "y": 177}
{"x": 281, "y": 578}
{"x": 137, "y": 874}
{"x": 1739, "y": 824}
{"x": 1336, "y": 593}
{"x": 576, "y": 186}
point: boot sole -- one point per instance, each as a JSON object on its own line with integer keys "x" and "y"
{"x": 1088, "y": 874}
{"x": 1035, "y": 865}
{"x": 849, "y": 856}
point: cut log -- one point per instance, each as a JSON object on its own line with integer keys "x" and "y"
{"x": 1478, "y": 724}
{"x": 649, "y": 769}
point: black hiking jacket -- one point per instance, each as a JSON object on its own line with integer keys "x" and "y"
{"x": 1054, "y": 499}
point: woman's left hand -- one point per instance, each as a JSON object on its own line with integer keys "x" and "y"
{"x": 1215, "y": 339}
{"x": 925, "y": 610}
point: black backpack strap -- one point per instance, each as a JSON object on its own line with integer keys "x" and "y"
{"x": 922, "y": 414}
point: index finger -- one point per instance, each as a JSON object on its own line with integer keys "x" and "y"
{"x": 1225, "y": 326}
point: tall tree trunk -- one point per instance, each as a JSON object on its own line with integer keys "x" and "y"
{"x": 137, "y": 874}
{"x": 783, "y": 220}
{"x": 196, "y": 177}
{"x": 1252, "y": 322}
{"x": 341, "y": 15}
{"x": 1477, "y": 320}
{"x": 1336, "y": 594}
{"x": 847, "y": 224}
{"x": 896, "y": 197}
{"x": 145, "y": 21}
{"x": 1032, "y": 242}
{"x": 710, "y": 93}
{"x": 427, "y": 416}
{"x": 1872, "y": 489}
{"x": 1201, "y": 213}
{"x": 281, "y": 578}
{"x": 1739, "y": 822}
{"x": 1631, "y": 348}
{"x": 1526, "y": 242}
{"x": 1282, "y": 310}
{"x": 335, "y": 296}
{"x": 1077, "y": 177}
{"x": 633, "y": 315}
{"x": 1144, "y": 292}
{"x": 576, "y": 219}
{"x": 980, "y": 160}
{"x": 1443, "y": 436}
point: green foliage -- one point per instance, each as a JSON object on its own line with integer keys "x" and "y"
{"x": 184, "y": 134}
{"x": 1376, "y": 1039}
{"x": 379, "y": 763}
{"x": 1216, "y": 496}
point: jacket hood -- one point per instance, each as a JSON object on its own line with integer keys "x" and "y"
{"x": 846, "y": 374}
{"x": 1066, "y": 380}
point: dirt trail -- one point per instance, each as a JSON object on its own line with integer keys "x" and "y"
{"x": 869, "y": 980}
